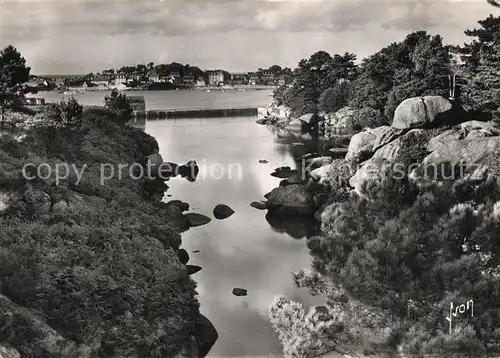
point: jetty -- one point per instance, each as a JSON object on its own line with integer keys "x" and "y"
{"x": 138, "y": 105}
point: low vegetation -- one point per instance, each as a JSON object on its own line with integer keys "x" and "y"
{"x": 94, "y": 263}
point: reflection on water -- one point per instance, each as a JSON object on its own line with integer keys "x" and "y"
{"x": 250, "y": 249}
{"x": 295, "y": 227}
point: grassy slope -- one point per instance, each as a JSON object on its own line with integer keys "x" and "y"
{"x": 103, "y": 274}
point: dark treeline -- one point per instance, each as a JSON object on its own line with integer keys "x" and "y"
{"x": 418, "y": 65}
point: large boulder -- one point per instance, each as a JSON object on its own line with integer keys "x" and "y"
{"x": 206, "y": 334}
{"x": 362, "y": 141}
{"x": 480, "y": 129}
{"x": 391, "y": 150}
{"x": 426, "y": 111}
{"x": 458, "y": 157}
{"x": 292, "y": 200}
{"x": 442, "y": 140}
{"x": 385, "y": 135}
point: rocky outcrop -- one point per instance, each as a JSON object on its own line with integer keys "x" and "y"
{"x": 427, "y": 111}
{"x": 341, "y": 118}
{"x": 457, "y": 157}
{"x": 192, "y": 269}
{"x": 206, "y": 335}
{"x": 291, "y": 200}
{"x": 32, "y": 336}
{"x": 391, "y": 150}
{"x": 364, "y": 141}
{"x": 259, "y": 205}
{"x": 385, "y": 135}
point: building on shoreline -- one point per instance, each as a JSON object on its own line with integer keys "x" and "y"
{"x": 215, "y": 78}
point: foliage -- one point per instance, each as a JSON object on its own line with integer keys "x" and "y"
{"x": 481, "y": 94}
{"x": 117, "y": 103}
{"x": 65, "y": 114}
{"x": 409, "y": 251}
{"x": 337, "y": 178}
{"x": 419, "y": 65}
{"x": 335, "y": 98}
{"x": 13, "y": 69}
{"x": 302, "y": 334}
{"x": 278, "y": 94}
{"x": 103, "y": 272}
{"x": 315, "y": 75}
{"x": 367, "y": 117}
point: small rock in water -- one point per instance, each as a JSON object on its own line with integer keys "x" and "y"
{"x": 196, "y": 251}
{"x": 260, "y": 205}
{"x": 263, "y": 161}
{"x": 239, "y": 292}
{"x": 183, "y": 256}
{"x": 195, "y": 219}
{"x": 192, "y": 269}
{"x": 222, "y": 211}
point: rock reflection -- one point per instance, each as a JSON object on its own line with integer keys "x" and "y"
{"x": 296, "y": 227}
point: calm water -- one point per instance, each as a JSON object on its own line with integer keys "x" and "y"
{"x": 244, "y": 250}
{"x": 176, "y": 99}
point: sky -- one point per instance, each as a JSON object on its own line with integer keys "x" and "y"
{"x": 83, "y": 36}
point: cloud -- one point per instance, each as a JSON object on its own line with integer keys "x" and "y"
{"x": 240, "y": 34}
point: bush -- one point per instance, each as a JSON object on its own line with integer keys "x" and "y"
{"x": 63, "y": 115}
{"x": 335, "y": 98}
{"x": 118, "y": 104}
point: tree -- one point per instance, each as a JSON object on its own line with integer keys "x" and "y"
{"x": 481, "y": 56}
{"x": 13, "y": 73}
{"x": 13, "y": 69}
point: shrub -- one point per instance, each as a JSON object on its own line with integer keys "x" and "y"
{"x": 63, "y": 115}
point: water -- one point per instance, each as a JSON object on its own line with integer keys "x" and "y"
{"x": 184, "y": 99}
{"x": 244, "y": 250}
